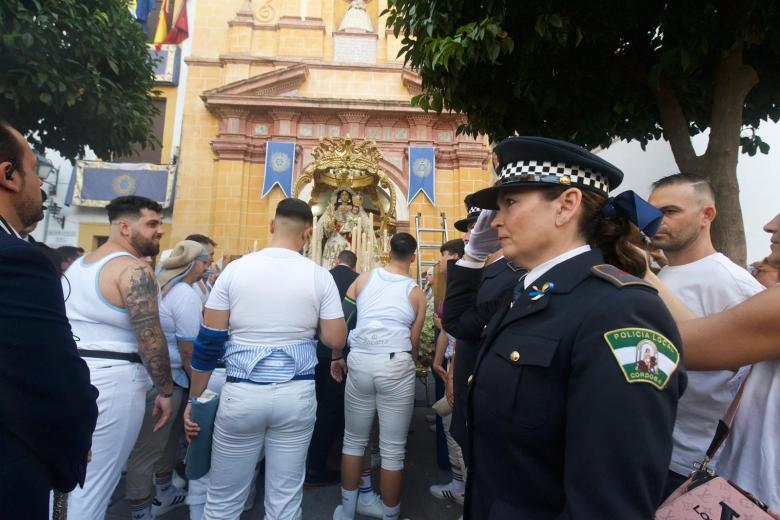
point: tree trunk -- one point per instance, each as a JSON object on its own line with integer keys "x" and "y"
{"x": 733, "y": 81}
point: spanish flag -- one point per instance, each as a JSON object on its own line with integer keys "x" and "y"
{"x": 161, "y": 34}
{"x": 179, "y": 29}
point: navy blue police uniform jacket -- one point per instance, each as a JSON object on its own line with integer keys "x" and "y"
{"x": 574, "y": 395}
{"x": 496, "y": 277}
{"x": 48, "y": 407}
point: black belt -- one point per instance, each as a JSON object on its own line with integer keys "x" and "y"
{"x": 132, "y": 357}
{"x": 392, "y": 354}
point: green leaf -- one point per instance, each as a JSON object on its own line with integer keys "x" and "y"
{"x": 539, "y": 26}
{"x": 45, "y": 98}
{"x": 556, "y": 21}
{"x": 27, "y": 40}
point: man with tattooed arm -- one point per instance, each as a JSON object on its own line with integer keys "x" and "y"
{"x": 113, "y": 311}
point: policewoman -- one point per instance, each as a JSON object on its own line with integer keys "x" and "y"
{"x": 574, "y": 394}
{"x": 497, "y": 275}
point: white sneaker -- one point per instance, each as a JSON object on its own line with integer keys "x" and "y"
{"x": 373, "y": 508}
{"x": 445, "y": 492}
{"x": 171, "y": 501}
{"x": 337, "y": 513}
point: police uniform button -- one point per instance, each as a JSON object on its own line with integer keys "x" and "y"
{"x": 484, "y": 327}
{"x": 514, "y": 356}
{"x": 469, "y": 379}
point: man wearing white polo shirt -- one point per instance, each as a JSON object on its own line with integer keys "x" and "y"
{"x": 708, "y": 283}
{"x": 273, "y": 302}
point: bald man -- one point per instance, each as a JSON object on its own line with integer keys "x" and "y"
{"x": 262, "y": 318}
{"x": 708, "y": 283}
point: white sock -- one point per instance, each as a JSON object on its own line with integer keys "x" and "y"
{"x": 366, "y": 491}
{"x": 164, "y": 486}
{"x": 348, "y": 503}
{"x": 458, "y": 484}
{"x": 141, "y": 511}
{"x": 196, "y": 511}
{"x": 391, "y": 513}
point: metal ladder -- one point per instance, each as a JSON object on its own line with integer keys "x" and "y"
{"x": 428, "y": 245}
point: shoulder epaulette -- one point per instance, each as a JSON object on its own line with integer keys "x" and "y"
{"x": 617, "y": 277}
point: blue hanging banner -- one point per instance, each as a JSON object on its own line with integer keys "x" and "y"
{"x": 95, "y": 183}
{"x": 279, "y": 163}
{"x": 422, "y": 172}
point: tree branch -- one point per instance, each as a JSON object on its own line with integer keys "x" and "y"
{"x": 733, "y": 81}
{"x": 675, "y": 126}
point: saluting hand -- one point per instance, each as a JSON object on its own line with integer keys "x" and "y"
{"x": 484, "y": 238}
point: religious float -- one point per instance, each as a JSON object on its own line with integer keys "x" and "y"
{"x": 353, "y": 202}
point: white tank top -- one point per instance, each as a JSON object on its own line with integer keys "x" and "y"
{"x": 384, "y": 315}
{"x": 96, "y": 324}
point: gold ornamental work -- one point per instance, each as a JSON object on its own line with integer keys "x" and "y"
{"x": 353, "y": 201}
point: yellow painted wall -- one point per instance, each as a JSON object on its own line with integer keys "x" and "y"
{"x": 221, "y": 198}
{"x": 168, "y": 93}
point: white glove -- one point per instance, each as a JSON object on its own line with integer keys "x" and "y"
{"x": 484, "y": 239}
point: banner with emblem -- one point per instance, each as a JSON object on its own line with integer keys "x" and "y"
{"x": 96, "y": 183}
{"x": 422, "y": 172}
{"x": 279, "y": 167}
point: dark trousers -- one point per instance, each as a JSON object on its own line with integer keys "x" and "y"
{"x": 330, "y": 417}
{"x": 442, "y": 453}
{"x": 673, "y": 481}
{"x": 24, "y": 486}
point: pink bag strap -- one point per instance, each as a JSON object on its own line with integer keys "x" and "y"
{"x": 725, "y": 424}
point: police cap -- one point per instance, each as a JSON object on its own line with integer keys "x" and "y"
{"x": 472, "y": 211}
{"x": 538, "y": 161}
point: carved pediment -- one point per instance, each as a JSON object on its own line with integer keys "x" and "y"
{"x": 412, "y": 82}
{"x": 271, "y": 84}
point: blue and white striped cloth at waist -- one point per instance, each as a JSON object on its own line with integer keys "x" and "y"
{"x": 265, "y": 364}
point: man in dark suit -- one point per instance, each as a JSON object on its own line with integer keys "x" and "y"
{"x": 330, "y": 394}
{"x": 48, "y": 409}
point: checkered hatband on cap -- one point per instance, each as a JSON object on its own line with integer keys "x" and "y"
{"x": 553, "y": 173}
{"x": 474, "y": 209}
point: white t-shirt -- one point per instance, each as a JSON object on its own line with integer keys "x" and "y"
{"x": 276, "y": 297}
{"x": 181, "y": 314}
{"x": 751, "y": 455}
{"x": 202, "y": 295}
{"x": 707, "y": 286}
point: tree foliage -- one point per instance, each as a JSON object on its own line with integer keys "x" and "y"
{"x": 594, "y": 72}
{"x": 76, "y": 73}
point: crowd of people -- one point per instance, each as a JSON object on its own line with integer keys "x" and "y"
{"x": 582, "y": 377}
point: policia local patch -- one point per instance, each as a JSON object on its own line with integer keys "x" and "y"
{"x": 644, "y": 355}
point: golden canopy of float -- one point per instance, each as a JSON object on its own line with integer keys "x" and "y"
{"x": 353, "y": 201}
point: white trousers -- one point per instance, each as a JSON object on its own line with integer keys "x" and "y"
{"x": 196, "y": 491}
{"x": 381, "y": 385}
{"x": 121, "y": 404}
{"x": 276, "y": 418}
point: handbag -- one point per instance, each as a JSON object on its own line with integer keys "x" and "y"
{"x": 705, "y": 495}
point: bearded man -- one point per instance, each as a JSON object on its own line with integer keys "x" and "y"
{"x": 113, "y": 310}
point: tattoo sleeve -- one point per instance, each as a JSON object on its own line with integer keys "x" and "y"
{"x": 141, "y": 302}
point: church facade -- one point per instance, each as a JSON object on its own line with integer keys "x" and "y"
{"x": 299, "y": 70}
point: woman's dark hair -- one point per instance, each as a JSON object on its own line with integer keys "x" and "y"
{"x": 615, "y": 236}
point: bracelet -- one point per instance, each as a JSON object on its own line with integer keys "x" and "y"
{"x": 338, "y": 358}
